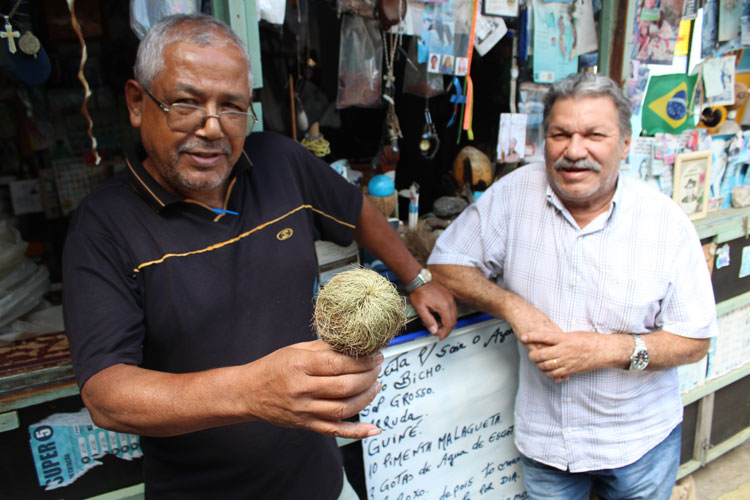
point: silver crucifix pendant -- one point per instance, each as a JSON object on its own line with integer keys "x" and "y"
{"x": 10, "y": 35}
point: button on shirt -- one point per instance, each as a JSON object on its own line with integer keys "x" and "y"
{"x": 637, "y": 268}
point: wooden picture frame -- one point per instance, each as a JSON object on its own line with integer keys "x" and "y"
{"x": 692, "y": 178}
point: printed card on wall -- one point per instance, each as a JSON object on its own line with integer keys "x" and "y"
{"x": 656, "y": 27}
{"x": 438, "y": 36}
{"x": 446, "y": 411}
{"x": 511, "y": 140}
{"x": 718, "y": 81}
{"x": 65, "y": 446}
{"x": 555, "y": 50}
{"x": 745, "y": 264}
{"x": 488, "y": 31}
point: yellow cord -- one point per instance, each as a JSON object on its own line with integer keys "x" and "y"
{"x": 318, "y": 145}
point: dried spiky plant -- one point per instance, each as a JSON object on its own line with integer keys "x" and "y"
{"x": 358, "y": 312}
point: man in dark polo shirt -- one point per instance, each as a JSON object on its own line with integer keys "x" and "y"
{"x": 189, "y": 283}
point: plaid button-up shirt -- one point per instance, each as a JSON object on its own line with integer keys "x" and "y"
{"x": 637, "y": 268}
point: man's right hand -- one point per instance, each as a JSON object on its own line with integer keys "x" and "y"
{"x": 309, "y": 385}
{"x": 306, "y": 385}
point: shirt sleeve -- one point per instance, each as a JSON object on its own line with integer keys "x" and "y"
{"x": 101, "y": 304}
{"x": 688, "y": 308}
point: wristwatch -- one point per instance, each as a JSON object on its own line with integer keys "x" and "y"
{"x": 639, "y": 358}
{"x": 423, "y": 277}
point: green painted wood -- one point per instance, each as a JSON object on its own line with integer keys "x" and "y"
{"x": 724, "y": 225}
{"x": 135, "y": 492}
{"x": 8, "y": 421}
{"x": 729, "y": 305}
{"x": 606, "y": 34}
{"x": 712, "y": 385}
{"x": 23, "y": 399}
{"x": 35, "y": 377}
{"x": 241, "y": 15}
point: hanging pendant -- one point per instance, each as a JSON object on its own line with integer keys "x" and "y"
{"x": 29, "y": 44}
{"x": 10, "y": 35}
{"x": 429, "y": 143}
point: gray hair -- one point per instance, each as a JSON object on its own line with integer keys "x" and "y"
{"x": 199, "y": 29}
{"x": 589, "y": 85}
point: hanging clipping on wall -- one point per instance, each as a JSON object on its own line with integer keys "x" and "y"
{"x": 555, "y": 50}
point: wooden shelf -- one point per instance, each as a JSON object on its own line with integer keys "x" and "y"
{"x": 714, "y": 384}
{"x": 726, "y": 225}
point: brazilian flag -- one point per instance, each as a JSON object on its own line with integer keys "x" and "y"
{"x": 668, "y": 106}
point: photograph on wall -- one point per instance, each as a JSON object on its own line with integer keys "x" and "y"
{"x": 745, "y": 263}
{"x": 656, "y": 27}
{"x": 511, "y": 141}
{"x": 555, "y": 51}
{"x": 691, "y": 182}
{"x": 709, "y": 251}
{"x": 718, "y": 81}
{"x": 462, "y": 66}
{"x": 438, "y": 32}
{"x": 446, "y": 65}
{"x": 641, "y": 164}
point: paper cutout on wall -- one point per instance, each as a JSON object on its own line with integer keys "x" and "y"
{"x": 555, "y": 42}
{"x": 722, "y": 256}
{"x": 745, "y": 264}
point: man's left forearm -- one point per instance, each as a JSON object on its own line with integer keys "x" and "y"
{"x": 375, "y": 234}
{"x": 666, "y": 350}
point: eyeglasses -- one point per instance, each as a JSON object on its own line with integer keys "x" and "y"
{"x": 188, "y": 118}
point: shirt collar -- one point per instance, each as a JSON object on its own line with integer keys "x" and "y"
{"x": 153, "y": 192}
{"x": 610, "y": 214}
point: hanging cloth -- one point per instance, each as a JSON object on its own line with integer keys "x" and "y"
{"x": 468, "y": 113}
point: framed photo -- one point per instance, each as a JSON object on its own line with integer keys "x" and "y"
{"x": 692, "y": 173}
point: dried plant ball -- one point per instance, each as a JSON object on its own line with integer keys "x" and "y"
{"x": 358, "y": 312}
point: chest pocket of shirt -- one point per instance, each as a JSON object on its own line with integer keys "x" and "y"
{"x": 628, "y": 304}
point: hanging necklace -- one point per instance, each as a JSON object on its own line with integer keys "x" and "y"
{"x": 429, "y": 143}
{"x": 389, "y": 90}
{"x": 28, "y": 43}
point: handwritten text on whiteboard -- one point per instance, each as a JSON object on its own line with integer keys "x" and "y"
{"x": 446, "y": 411}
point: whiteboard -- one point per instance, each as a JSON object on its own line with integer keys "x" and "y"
{"x": 446, "y": 412}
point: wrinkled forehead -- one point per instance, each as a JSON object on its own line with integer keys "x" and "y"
{"x": 587, "y": 110}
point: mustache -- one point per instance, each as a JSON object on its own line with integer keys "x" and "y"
{"x": 582, "y": 164}
{"x": 207, "y": 147}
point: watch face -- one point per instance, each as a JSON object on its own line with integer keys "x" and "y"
{"x": 639, "y": 361}
{"x": 426, "y": 275}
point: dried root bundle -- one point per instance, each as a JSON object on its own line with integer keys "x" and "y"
{"x": 358, "y": 312}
